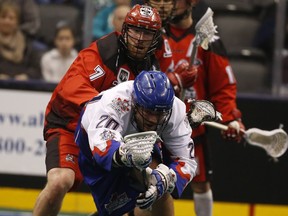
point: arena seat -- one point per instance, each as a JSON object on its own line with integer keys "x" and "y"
{"x": 251, "y": 71}
{"x": 51, "y": 14}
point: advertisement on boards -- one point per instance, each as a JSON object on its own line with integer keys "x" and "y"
{"x": 22, "y": 148}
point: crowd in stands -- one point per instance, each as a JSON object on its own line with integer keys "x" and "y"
{"x": 55, "y": 62}
{"x": 105, "y": 20}
{"x": 19, "y": 59}
{"x": 28, "y": 52}
{"x": 25, "y": 54}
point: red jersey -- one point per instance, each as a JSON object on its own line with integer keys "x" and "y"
{"x": 215, "y": 81}
{"x": 97, "y": 68}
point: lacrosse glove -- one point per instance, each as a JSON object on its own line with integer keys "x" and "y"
{"x": 160, "y": 180}
{"x": 235, "y": 131}
{"x": 125, "y": 157}
{"x": 183, "y": 77}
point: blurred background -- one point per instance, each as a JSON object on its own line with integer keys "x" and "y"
{"x": 246, "y": 180}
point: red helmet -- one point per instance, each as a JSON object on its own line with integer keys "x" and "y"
{"x": 145, "y": 19}
{"x": 144, "y": 16}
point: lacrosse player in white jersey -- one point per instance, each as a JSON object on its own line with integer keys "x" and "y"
{"x": 135, "y": 147}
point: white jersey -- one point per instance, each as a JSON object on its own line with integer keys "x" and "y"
{"x": 108, "y": 117}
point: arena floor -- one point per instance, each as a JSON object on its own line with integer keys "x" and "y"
{"x": 20, "y": 202}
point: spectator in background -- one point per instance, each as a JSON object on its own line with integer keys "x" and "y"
{"x": 29, "y": 16}
{"x": 102, "y": 21}
{"x": 29, "y": 21}
{"x": 119, "y": 15}
{"x": 56, "y": 62}
{"x": 18, "y": 59}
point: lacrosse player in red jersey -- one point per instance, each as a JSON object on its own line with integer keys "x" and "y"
{"x": 120, "y": 158}
{"x": 215, "y": 82}
{"x": 108, "y": 61}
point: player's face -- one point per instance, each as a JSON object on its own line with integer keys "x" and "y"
{"x": 64, "y": 41}
{"x": 139, "y": 41}
{"x": 180, "y": 7}
{"x": 148, "y": 120}
{"x": 164, "y": 7}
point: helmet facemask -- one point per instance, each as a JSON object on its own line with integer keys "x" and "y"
{"x": 139, "y": 42}
{"x": 149, "y": 120}
{"x": 141, "y": 32}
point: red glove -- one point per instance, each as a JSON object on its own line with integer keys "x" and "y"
{"x": 235, "y": 131}
{"x": 182, "y": 77}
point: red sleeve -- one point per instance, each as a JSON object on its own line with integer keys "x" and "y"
{"x": 76, "y": 86}
{"x": 74, "y": 90}
{"x": 221, "y": 83}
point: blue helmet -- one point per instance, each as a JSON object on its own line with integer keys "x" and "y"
{"x": 153, "y": 91}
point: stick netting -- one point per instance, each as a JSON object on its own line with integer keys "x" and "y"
{"x": 275, "y": 142}
{"x": 200, "y": 111}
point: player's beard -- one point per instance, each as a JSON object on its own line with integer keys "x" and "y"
{"x": 165, "y": 10}
{"x": 139, "y": 49}
{"x": 150, "y": 123}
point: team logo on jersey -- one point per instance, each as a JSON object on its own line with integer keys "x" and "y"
{"x": 117, "y": 201}
{"x": 70, "y": 158}
{"x": 120, "y": 105}
{"x": 107, "y": 135}
{"x": 167, "y": 48}
{"x": 99, "y": 72}
{"x": 123, "y": 75}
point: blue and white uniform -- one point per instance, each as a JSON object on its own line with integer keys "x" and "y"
{"x": 107, "y": 118}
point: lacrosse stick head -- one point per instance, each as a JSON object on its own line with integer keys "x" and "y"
{"x": 202, "y": 111}
{"x": 275, "y": 142}
{"x": 140, "y": 146}
{"x": 206, "y": 30}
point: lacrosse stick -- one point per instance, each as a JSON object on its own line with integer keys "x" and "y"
{"x": 140, "y": 146}
{"x": 200, "y": 111}
{"x": 205, "y": 34}
{"x": 274, "y": 142}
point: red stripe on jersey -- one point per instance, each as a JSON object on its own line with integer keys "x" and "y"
{"x": 183, "y": 175}
{"x": 102, "y": 153}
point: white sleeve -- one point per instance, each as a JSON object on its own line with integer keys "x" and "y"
{"x": 45, "y": 67}
{"x": 177, "y": 139}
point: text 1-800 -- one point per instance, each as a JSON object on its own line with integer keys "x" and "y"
{"x": 19, "y": 146}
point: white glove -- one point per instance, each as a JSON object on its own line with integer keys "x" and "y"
{"x": 160, "y": 180}
{"x": 136, "y": 150}
{"x": 145, "y": 200}
{"x": 124, "y": 157}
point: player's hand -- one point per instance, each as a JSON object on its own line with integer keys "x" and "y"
{"x": 145, "y": 200}
{"x": 183, "y": 77}
{"x": 124, "y": 157}
{"x": 136, "y": 150}
{"x": 160, "y": 180}
{"x": 235, "y": 131}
